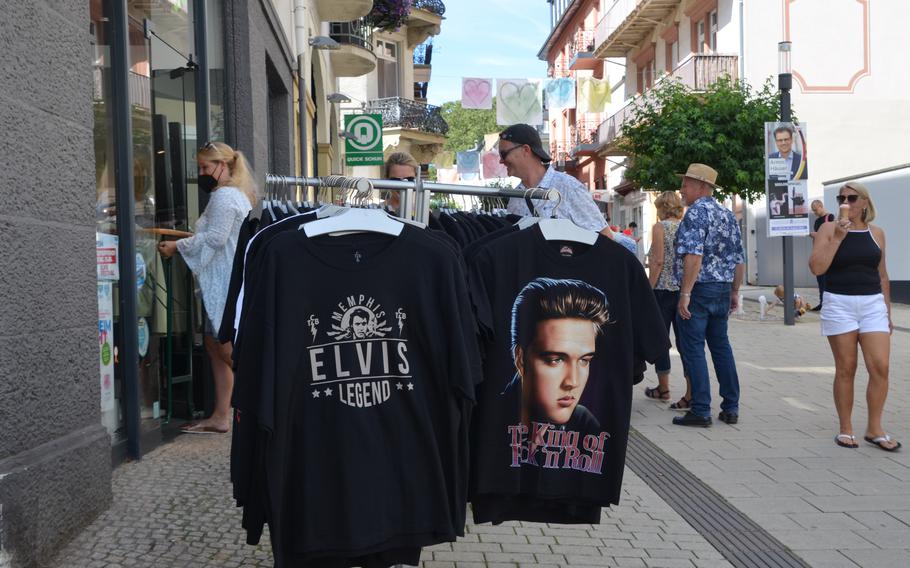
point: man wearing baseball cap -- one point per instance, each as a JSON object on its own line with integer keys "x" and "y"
{"x": 521, "y": 152}
{"x": 709, "y": 267}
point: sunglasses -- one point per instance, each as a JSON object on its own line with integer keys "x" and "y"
{"x": 208, "y": 146}
{"x": 849, "y": 198}
{"x": 408, "y": 178}
{"x": 504, "y": 153}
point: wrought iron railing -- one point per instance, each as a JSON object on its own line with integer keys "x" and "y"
{"x": 398, "y": 112}
{"x": 357, "y": 33}
{"x": 423, "y": 53}
{"x": 435, "y": 6}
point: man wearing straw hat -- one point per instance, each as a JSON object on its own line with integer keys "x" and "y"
{"x": 709, "y": 265}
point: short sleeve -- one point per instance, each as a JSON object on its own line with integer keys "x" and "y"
{"x": 693, "y": 231}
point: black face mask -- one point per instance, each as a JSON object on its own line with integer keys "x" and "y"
{"x": 207, "y": 183}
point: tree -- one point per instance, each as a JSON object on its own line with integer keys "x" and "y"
{"x": 467, "y": 126}
{"x": 723, "y": 127}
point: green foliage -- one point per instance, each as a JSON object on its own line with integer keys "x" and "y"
{"x": 467, "y": 126}
{"x": 722, "y": 127}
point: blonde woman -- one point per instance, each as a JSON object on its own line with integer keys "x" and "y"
{"x": 662, "y": 275}
{"x": 856, "y": 310}
{"x": 209, "y": 253}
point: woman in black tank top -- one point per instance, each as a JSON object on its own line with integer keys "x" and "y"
{"x": 856, "y": 310}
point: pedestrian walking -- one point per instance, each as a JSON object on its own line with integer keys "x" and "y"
{"x": 710, "y": 269}
{"x": 209, "y": 253}
{"x": 821, "y": 216}
{"x": 662, "y": 276}
{"x": 857, "y": 310}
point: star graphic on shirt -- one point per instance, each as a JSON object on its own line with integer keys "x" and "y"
{"x": 315, "y": 394}
{"x": 399, "y": 386}
{"x": 410, "y": 386}
{"x": 328, "y": 392}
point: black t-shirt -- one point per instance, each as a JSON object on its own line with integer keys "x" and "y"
{"x": 819, "y": 221}
{"x": 569, "y": 321}
{"x": 366, "y": 373}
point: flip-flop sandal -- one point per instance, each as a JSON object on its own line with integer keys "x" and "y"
{"x": 657, "y": 394}
{"x": 877, "y": 441}
{"x": 846, "y": 441}
{"x": 682, "y": 404}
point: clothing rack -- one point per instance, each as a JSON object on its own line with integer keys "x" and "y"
{"x": 416, "y": 191}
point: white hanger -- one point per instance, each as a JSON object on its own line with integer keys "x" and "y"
{"x": 564, "y": 229}
{"x": 355, "y": 220}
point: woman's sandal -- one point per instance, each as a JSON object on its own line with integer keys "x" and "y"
{"x": 846, "y": 441}
{"x": 657, "y": 394}
{"x": 682, "y": 404}
{"x": 880, "y": 441}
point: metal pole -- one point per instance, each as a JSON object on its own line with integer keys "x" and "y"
{"x": 123, "y": 172}
{"x": 302, "y": 112}
{"x": 785, "y": 83}
{"x": 202, "y": 74}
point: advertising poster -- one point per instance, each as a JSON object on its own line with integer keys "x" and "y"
{"x": 106, "y": 343}
{"x": 106, "y": 249}
{"x": 786, "y": 179}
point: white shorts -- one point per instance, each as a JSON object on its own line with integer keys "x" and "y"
{"x": 842, "y": 314}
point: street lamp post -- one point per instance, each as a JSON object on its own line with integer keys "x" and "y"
{"x": 785, "y": 83}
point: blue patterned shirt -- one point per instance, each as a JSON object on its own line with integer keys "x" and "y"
{"x": 709, "y": 229}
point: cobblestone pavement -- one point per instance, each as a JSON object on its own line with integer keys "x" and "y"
{"x": 174, "y": 509}
{"x": 832, "y": 506}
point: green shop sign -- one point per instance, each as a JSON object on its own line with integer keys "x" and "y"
{"x": 363, "y": 140}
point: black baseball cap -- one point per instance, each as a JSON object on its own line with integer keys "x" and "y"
{"x": 525, "y": 134}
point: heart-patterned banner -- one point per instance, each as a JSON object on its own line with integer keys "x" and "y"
{"x": 518, "y": 101}
{"x": 560, "y": 93}
{"x": 468, "y": 162}
{"x": 593, "y": 95}
{"x": 476, "y": 93}
{"x": 492, "y": 168}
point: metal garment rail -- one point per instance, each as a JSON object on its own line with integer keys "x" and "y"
{"x": 416, "y": 190}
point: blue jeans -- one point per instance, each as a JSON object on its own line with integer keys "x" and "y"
{"x": 710, "y": 308}
{"x": 667, "y": 301}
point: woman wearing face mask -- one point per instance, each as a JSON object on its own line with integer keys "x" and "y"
{"x": 209, "y": 253}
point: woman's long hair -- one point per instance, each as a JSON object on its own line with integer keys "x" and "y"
{"x": 239, "y": 168}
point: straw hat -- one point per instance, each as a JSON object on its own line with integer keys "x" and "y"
{"x": 703, "y": 173}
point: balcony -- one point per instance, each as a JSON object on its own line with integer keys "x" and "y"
{"x": 398, "y": 112}
{"x": 355, "y": 57}
{"x": 584, "y": 137}
{"x": 627, "y": 23}
{"x": 559, "y": 152}
{"x": 425, "y": 20}
{"x": 342, "y": 10}
{"x": 581, "y": 51}
{"x": 698, "y": 72}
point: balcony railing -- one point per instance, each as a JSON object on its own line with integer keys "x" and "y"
{"x": 698, "y": 72}
{"x": 423, "y": 53}
{"x": 357, "y": 33}
{"x": 616, "y": 15}
{"x": 584, "y": 131}
{"x": 398, "y": 112}
{"x": 435, "y": 6}
{"x": 583, "y": 42}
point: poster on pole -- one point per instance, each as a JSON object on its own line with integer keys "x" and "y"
{"x": 786, "y": 179}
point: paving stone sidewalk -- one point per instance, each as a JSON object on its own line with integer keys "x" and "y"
{"x": 832, "y": 506}
{"x": 174, "y": 509}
